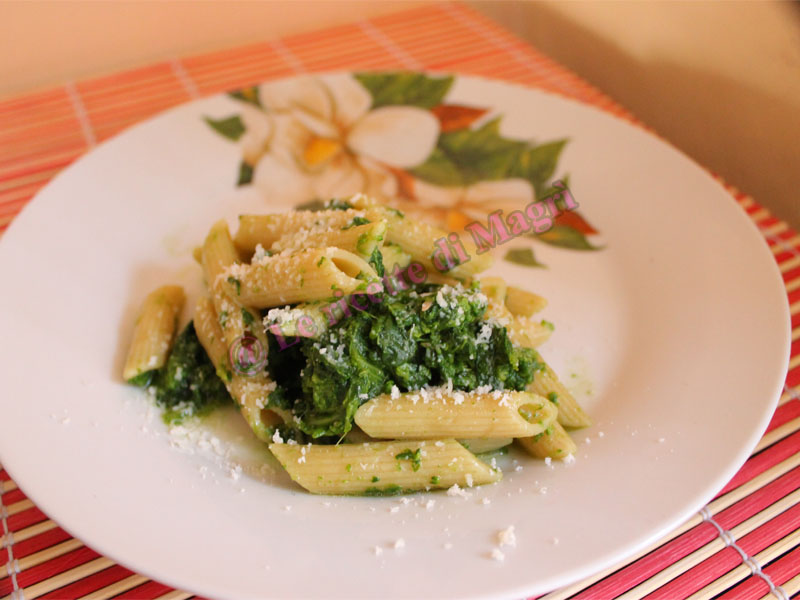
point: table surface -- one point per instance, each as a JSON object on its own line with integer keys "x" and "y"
{"x": 743, "y": 544}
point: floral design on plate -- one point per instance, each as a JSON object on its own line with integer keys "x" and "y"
{"x": 394, "y": 136}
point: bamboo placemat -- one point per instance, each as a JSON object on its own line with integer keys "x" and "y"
{"x": 744, "y": 544}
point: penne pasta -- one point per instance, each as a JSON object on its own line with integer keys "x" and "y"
{"x": 306, "y": 320}
{"x": 360, "y": 239}
{"x": 250, "y": 392}
{"x": 154, "y": 331}
{"x": 481, "y": 445}
{"x": 382, "y": 468}
{"x": 495, "y": 290}
{"x": 312, "y": 274}
{"x": 528, "y": 333}
{"x": 419, "y": 240}
{"x": 206, "y": 325}
{"x": 555, "y": 442}
{"x": 394, "y": 256}
{"x": 268, "y": 229}
{"x": 219, "y": 257}
{"x": 249, "y": 384}
{"x": 289, "y": 282}
{"x": 522, "y": 303}
{"x": 437, "y": 413}
{"x": 570, "y": 414}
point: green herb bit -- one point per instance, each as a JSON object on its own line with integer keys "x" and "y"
{"x": 356, "y": 222}
{"x": 435, "y": 480}
{"x": 414, "y": 456}
{"x": 389, "y": 490}
{"x": 375, "y": 479}
{"x": 247, "y": 317}
{"x": 236, "y": 283}
{"x": 142, "y": 379}
{"x": 553, "y": 397}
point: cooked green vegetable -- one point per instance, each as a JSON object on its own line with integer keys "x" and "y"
{"x": 355, "y": 222}
{"x": 188, "y": 384}
{"x": 415, "y": 457}
{"x": 425, "y": 336}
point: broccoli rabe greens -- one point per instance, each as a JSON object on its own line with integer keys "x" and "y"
{"x": 428, "y": 335}
{"x": 188, "y": 384}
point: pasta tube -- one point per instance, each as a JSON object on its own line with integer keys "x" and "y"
{"x": 481, "y": 445}
{"x": 219, "y": 257}
{"x": 440, "y": 413}
{"x": 154, "y": 331}
{"x": 570, "y": 414}
{"x": 555, "y": 442}
{"x": 249, "y": 383}
{"x": 494, "y": 288}
{"x": 382, "y": 468}
{"x": 268, "y": 229}
{"x": 312, "y": 274}
{"x": 360, "y": 240}
{"x": 250, "y": 392}
{"x": 211, "y": 337}
{"x": 523, "y": 303}
{"x": 419, "y": 240}
{"x": 528, "y": 333}
{"x": 394, "y": 256}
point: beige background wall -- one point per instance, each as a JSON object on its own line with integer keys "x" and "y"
{"x": 721, "y": 80}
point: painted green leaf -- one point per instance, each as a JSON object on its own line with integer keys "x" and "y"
{"x": 480, "y": 154}
{"x": 524, "y": 257}
{"x": 549, "y": 190}
{"x": 230, "y": 127}
{"x": 245, "y": 174}
{"x": 403, "y": 88}
{"x": 565, "y": 236}
{"x": 248, "y": 94}
{"x": 439, "y": 170}
{"x": 538, "y": 164}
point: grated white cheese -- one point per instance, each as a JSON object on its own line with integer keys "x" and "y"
{"x": 455, "y": 490}
{"x": 507, "y": 537}
{"x": 234, "y": 472}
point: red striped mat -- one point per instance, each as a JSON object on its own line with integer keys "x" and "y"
{"x": 744, "y": 544}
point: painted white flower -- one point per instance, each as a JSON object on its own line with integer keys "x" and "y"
{"x": 319, "y": 139}
{"x": 456, "y": 206}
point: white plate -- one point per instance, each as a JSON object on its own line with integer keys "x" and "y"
{"x": 674, "y": 336}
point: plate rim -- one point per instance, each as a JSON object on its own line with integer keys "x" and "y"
{"x": 569, "y": 576}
